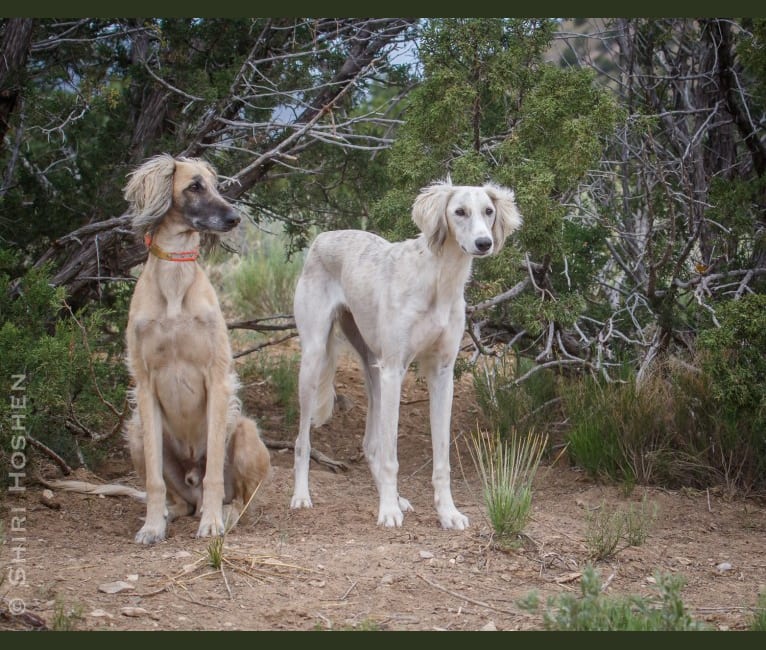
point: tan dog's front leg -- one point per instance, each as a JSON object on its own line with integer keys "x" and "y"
{"x": 155, "y": 524}
{"x": 211, "y": 523}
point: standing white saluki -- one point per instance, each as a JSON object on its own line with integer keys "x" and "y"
{"x": 395, "y": 303}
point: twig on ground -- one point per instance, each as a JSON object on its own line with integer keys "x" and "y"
{"x": 463, "y": 597}
{"x": 318, "y": 456}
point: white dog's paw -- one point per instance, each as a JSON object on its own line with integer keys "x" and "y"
{"x": 453, "y": 520}
{"x": 390, "y": 518}
{"x": 405, "y": 505}
{"x": 150, "y": 534}
{"x": 301, "y": 502}
{"x": 211, "y": 526}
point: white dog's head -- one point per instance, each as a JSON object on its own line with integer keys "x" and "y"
{"x": 479, "y": 218}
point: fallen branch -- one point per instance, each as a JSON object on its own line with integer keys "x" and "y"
{"x": 265, "y": 344}
{"x": 257, "y": 324}
{"x": 466, "y": 598}
{"x": 318, "y": 456}
{"x": 50, "y": 453}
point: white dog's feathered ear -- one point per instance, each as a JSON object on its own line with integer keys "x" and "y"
{"x": 507, "y": 217}
{"x": 429, "y": 212}
{"x": 149, "y": 192}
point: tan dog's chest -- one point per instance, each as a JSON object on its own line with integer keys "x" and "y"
{"x": 181, "y": 339}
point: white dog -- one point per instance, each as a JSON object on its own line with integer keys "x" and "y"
{"x": 395, "y": 303}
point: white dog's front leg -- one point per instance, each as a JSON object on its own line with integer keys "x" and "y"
{"x": 440, "y": 390}
{"x": 384, "y": 464}
{"x": 211, "y": 523}
{"x": 155, "y": 524}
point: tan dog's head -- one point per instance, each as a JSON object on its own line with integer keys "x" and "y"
{"x": 479, "y": 218}
{"x": 184, "y": 187}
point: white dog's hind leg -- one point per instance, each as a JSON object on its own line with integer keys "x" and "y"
{"x": 440, "y": 390}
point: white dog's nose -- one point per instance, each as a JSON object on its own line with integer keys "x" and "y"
{"x": 483, "y": 244}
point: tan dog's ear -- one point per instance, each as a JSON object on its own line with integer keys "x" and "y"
{"x": 507, "y": 217}
{"x": 429, "y": 212}
{"x": 149, "y": 192}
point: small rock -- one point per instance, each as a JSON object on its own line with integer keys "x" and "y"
{"x": 317, "y": 583}
{"x": 100, "y": 613}
{"x": 132, "y": 577}
{"x": 47, "y": 499}
{"x": 489, "y": 627}
{"x": 387, "y": 579}
{"x": 426, "y": 555}
{"x": 723, "y": 567}
{"x": 115, "y": 587}
{"x": 133, "y": 612}
{"x": 181, "y": 554}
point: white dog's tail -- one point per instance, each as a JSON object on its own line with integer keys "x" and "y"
{"x": 107, "y": 489}
{"x": 325, "y": 395}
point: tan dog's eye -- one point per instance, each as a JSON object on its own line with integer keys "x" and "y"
{"x": 196, "y": 186}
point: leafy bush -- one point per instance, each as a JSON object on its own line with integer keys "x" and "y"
{"x": 522, "y": 408}
{"x": 594, "y": 611}
{"x": 606, "y": 527}
{"x": 616, "y": 430}
{"x": 734, "y": 363}
{"x": 65, "y": 368}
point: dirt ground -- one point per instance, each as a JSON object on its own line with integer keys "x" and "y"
{"x": 332, "y": 567}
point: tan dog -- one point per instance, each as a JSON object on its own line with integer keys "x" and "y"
{"x": 187, "y": 438}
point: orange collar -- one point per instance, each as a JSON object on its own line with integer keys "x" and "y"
{"x": 181, "y": 256}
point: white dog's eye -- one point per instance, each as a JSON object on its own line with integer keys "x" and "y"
{"x": 460, "y": 212}
{"x": 489, "y": 212}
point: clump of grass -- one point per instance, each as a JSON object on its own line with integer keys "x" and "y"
{"x": 65, "y": 617}
{"x": 507, "y": 469}
{"x": 606, "y": 527}
{"x": 595, "y": 611}
{"x": 758, "y": 622}
{"x": 215, "y": 552}
{"x": 603, "y": 532}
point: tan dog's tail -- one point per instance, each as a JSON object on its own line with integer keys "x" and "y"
{"x": 107, "y": 489}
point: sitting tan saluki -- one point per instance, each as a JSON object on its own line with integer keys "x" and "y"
{"x": 188, "y": 440}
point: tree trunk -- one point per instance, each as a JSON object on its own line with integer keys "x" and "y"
{"x": 17, "y": 39}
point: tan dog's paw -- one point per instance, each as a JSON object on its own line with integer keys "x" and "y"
{"x": 150, "y": 534}
{"x": 211, "y": 526}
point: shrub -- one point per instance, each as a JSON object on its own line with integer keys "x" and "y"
{"x": 594, "y": 611}
{"x": 507, "y": 469}
{"x": 521, "y": 408}
{"x": 68, "y": 367}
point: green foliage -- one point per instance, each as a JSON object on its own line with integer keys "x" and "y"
{"x": 215, "y": 552}
{"x": 606, "y": 527}
{"x": 758, "y": 622}
{"x": 65, "y": 617}
{"x": 507, "y": 468}
{"x": 280, "y": 375}
{"x": 68, "y": 369}
{"x": 262, "y": 282}
{"x": 595, "y": 611}
{"x": 510, "y": 407}
{"x": 618, "y": 430}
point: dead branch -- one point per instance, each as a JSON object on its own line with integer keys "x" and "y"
{"x": 318, "y": 456}
{"x": 51, "y": 454}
